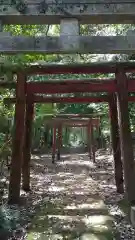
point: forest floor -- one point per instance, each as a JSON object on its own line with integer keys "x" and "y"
{"x": 73, "y": 199}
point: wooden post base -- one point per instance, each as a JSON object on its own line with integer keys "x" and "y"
{"x": 58, "y": 155}
{"x": 93, "y": 154}
{"x": 120, "y": 188}
{"x": 90, "y": 157}
{"x": 53, "y": 158}
{"x": 132, "y": 216}
{"x": 26, "y": 188}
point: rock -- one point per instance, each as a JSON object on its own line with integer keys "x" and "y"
{"x": 132, "y": 215}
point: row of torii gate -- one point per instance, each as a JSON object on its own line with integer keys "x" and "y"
{"x": 70, "y": 120}
{"x": 69, "y": 14}
{"x": 116, "y": 96}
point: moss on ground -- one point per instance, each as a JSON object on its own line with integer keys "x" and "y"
{"x": 54, "y": 223}
{"x": 124, "y": 206}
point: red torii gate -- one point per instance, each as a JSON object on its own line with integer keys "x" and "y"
{"x": 72, "y": 86}
{"x": 120, "y": 85}
{"x": 59, "y": 122}
{"x": 90, "y": 99}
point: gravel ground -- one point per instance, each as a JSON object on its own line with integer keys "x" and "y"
{"x": 16, "y": 220}
{"x": 107, "y": 188}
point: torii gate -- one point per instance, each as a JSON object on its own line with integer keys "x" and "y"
{"x": 50, "y": 12}
{"x": 71, "y": 120}
{"x": 69, "y": 14}
{"x": 120, "y": 85}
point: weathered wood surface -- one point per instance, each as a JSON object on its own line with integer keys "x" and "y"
{"x": 115, "y": 138}
{"x": 59, "y": 141}
{"x": 67, "y": 44}
{"x": 51, "y": 87}
{"x": 27, "y": 146}
{"x": 100, "y": 67}
{"x": 92, "y": 141}
{"x": 41, "y": 67}
{"x": 51, "y": 12}
{"x": 125, "y": 136}
{"x": 72, "y": 122}
{"x": 74, "y": 125}
{"x": 75, "y": 87}
{"x": 42, "y": 99}
{"x": 18, "y": 141}
{"x": 54, "y": 144}
{"x": 68, "y": 121}
{"x": 89, "y": 143}
{"x": 40, "y": 87}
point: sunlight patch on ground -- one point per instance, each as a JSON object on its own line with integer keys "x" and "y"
{"x": 67, "y": 218}
{"x": 94, "y": 204}
{"x": 109, "y": 158}
{"x": 79, "y": 192}
{"x": 55, "y": 189}
{"x": 66, "y": 156}
{"x": 89, "y": 236}
{"x": 97, "y": 220}
{"x": 35, "y": 157}
{"x": 63, "y": 174}
{"x": 79, "y": 162}
{"x": 39, "y": 177}
{"x": 71, "y": 227}
{"x": 82, "y": 154}
{"x": 110, "y": 185}
{"x": 111, "y": 171}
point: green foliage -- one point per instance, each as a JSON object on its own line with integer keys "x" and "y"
{"x": 75, "y": 108}
{"x": 9, "y": 63}
{"x": 6, "y": 119}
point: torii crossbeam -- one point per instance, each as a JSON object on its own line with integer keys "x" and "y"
{"x": 51, "y": 12}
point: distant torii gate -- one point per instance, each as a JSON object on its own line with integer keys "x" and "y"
{"x": 73, "y": 120}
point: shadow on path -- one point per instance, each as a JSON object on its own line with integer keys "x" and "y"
{"x": 71, "y": 206}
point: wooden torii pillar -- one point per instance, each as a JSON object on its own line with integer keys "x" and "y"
{"x": 90, "y": 141}
{"x": 125, "y": 134}
{"x": 27, "y": 145}
{"x": 18, "y": 141}
{"x": 118, "y": 166}
{"x": 54, "y": 144}
{"x": 59, "y": 141}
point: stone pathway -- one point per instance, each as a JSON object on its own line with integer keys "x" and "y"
{"x": 72, "y": 207}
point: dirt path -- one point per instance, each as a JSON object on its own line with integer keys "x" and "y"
{"x": 70, "y": 204}
{"x": 67, "y": 202}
